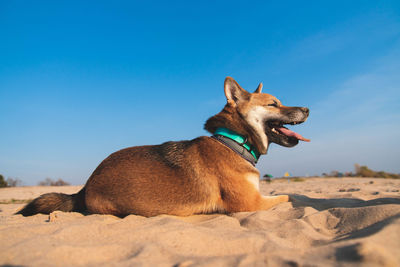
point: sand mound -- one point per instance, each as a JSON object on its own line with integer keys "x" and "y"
{"x": 326, "y": 224}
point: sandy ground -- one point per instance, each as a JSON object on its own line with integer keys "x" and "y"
{"x": 331, "y": 222}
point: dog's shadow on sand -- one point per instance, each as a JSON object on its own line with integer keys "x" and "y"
{"x": 321, "y": 204}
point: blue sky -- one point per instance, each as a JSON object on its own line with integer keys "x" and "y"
{"x": 80, "y": 79}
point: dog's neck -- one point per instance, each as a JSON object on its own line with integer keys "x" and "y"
{"x": 230, "y": 119}
{"x": 237, "y": 143}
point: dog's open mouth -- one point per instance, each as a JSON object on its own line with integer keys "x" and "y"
{"x": 281, "y": 135}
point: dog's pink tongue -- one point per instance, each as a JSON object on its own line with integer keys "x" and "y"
{"x": 288, "y": 132}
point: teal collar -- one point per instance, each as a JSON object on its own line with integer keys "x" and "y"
{"x": 241, "y": 140}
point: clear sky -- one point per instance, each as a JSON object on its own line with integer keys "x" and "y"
{"x": 82, "y": 79}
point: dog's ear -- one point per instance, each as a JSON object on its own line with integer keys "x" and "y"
{"x": 233, "y": 92}
{"x": 259, "y": 88}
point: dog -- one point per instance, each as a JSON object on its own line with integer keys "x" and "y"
{"x": 213, "y": 174}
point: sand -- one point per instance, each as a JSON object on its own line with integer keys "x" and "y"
{"x": 331, "y": 222}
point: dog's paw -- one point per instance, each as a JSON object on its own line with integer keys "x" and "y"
{"x": 284, "y": 198}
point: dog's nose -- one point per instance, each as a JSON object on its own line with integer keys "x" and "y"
{"x": 305, "y": 110}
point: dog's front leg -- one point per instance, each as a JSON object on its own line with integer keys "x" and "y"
{"x": 267, "y": 202}
{"x": 251, "y": 202}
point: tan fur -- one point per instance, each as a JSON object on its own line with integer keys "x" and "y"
{"x": 187, "y": 177}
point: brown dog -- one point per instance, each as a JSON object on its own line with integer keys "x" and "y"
{"x": 203, "y": 175}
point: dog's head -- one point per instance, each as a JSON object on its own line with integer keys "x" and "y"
{"x": 258, "y": 116}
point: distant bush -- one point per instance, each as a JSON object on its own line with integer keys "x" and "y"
{"x": 364, "y": 171}
{"x": 9, "y": 182}
{"x": 51, "y": 182}
{"x": 333, "y": 174}
{"x": 13, "y": 182}
{"x": 3, "y": 183}
{"x": 297, "y": 179}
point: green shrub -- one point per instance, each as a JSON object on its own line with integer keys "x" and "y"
{"x": 364, "y": 171}
{"x": 297, "y": 179}
{"x": 3, "y": 183}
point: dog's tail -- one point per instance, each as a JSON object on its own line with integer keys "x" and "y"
{"x": 50, "y": 202}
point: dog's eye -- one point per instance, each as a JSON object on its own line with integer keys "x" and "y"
{"x": 273, "y": 104}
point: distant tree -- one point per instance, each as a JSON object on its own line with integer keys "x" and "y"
{"x": 13, "y": 182}
{"x": 45, "y": 182}
{"x": 334, "y": 174}
{"x": 348, "y": 174}
{"x": 364, "y": 171}
{"x": 3, "y": 183}
{"x": 357, "y": 168}
{"x": 60, "y": 182}
{"x": 51, "y": 182}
